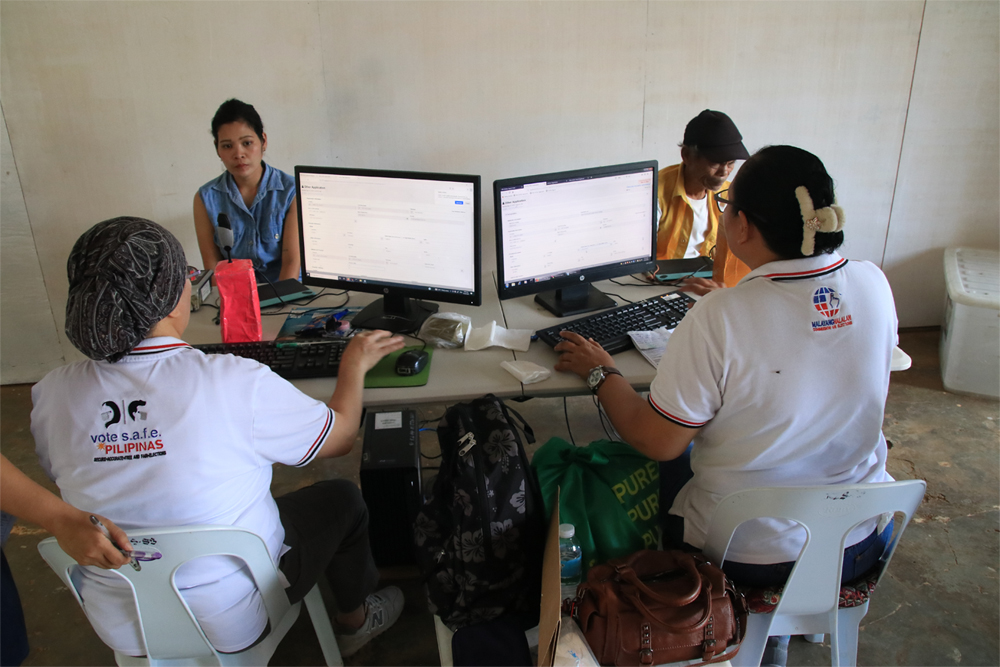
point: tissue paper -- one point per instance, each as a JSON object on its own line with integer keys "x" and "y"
{"x": 526, "y": 371}
{"x": 494, "y": 334}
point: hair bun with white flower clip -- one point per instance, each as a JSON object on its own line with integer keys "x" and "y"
{"x": 828, "y": 219}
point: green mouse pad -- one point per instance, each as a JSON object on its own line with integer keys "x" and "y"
{"x": 384, "y": 373}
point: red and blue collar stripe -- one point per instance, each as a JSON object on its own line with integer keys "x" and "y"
{"x": 144, "y": 350}
{"x": 804, "y": 275}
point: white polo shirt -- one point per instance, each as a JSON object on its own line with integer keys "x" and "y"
{"x": 787, "y": 374}
{"x": 169, "y": 436}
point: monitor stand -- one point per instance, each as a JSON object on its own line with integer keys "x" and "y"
{"x": 398, "y": 314}
{"x": 574, "y": 300}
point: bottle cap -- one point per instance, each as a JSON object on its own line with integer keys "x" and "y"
{"x": 566, "y": 530}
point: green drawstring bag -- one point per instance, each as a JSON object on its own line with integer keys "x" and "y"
{"x": 610, "y": 493}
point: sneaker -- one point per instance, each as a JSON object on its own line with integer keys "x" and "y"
{"x": 382, "y": 608}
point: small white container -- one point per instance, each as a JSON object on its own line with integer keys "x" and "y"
{"x": 970, "y": 337}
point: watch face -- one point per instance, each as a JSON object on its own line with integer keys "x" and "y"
{"x": 595, "y": 377}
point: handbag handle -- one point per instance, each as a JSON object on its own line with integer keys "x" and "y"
{"x": 626, "y": 571}
{"x": 650, "y": 616}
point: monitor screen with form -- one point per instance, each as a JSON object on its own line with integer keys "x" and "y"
{"x": 557, "y": 233}
{"x": 405, "y": 235}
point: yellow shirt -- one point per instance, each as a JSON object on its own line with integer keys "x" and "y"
{"x": 726, "y": 267}
{"x": 676, "y": 221}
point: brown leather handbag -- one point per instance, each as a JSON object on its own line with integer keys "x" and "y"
{"x": 660, "y": 606}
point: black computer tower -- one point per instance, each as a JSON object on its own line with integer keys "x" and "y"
{"x": 390, "y": 484}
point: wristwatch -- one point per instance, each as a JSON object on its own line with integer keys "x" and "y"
{"x": 598, "y": 374}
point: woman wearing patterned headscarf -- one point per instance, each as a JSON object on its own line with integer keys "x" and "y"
{"x": 150, "y": 432}
{"x": 125, "y": 275}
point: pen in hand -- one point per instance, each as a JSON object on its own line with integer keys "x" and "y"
{"x": 128, "y": 554}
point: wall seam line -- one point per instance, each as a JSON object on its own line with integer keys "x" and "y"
{"x": 60, "y": 336}
{"x": 645, "y": 82}
{"x": 322, "y": 70}
{"x": 902, "y": 139}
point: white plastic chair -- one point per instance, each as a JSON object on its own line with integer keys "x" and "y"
{"x": 809, "y": 604}
{"x": 170, "y": 631}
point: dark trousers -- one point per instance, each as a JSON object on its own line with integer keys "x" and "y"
{"x": 674, "y": 474}
{"x": 14, "y": 642}
{"x": 326, "y": 528}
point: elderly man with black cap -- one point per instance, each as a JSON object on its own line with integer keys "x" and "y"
{"x": 689, "y": 217}
{"x": 151, "y": 432}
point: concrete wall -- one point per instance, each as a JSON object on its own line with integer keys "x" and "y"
{"x": 29, "y": 345}
{"x": 949, "y": 168}
{"x": 108, "y": 105}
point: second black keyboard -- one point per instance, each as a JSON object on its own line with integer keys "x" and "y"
{"x": 291, "y": 361}
{"x": 610, "y": 327}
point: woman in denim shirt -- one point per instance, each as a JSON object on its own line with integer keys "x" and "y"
{"x": 258, "y": 199}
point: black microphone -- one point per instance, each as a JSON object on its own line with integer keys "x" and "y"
{"x": 226, "y": 235}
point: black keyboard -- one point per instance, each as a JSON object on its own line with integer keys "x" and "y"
{"x": 610, "y": 327}
{"x": 291, "y": 361}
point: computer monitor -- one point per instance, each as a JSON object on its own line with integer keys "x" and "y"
{"x": 412, "y": 237}
{"x": 557, "y": 233}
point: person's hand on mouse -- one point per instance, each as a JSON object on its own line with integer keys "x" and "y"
{"x": 368, "y": 347}
{"x": 578, "y": 354}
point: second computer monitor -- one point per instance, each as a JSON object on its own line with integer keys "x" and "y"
{"x": 557, "y": 233}
{"x": 404, "y": 235}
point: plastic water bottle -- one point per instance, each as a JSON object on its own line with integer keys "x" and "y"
{"x": 571, "y": 560}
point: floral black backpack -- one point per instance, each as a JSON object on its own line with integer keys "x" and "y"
{"x": 481, "y": 532}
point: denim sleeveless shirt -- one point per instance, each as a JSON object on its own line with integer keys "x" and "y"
{"x": 257, "y": 231}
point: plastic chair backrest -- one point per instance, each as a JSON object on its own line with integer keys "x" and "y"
{"x": 828, "y": 514}
{"x": 168, "y": 626}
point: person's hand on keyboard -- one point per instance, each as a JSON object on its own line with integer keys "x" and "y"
{"x": 368, "y": 347}
{"x": 699, "y": 286}
{"x": 578, "y": 355}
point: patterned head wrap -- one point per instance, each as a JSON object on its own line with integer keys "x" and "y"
{"x": 125, "y": 275}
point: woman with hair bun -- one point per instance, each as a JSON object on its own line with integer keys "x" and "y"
{"x": 258, "y": 199}
{"x": 780, "y": 380}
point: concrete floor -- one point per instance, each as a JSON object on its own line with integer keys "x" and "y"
{"x": 938, "y": 604}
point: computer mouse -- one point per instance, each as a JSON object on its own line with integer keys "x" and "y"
{"x": 411, "y": 362}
